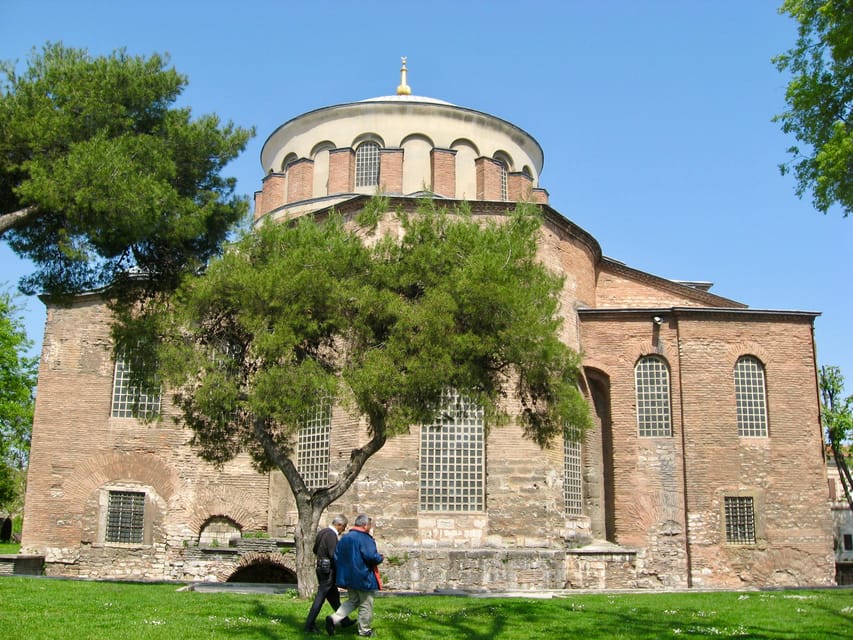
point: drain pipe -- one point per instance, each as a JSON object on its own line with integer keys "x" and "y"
{"x": 675, "y": 317}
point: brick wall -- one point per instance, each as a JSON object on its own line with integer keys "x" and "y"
{"x": 341, "y": 171}
{"x": 391, "y": 170}
{"x": 443, "y": 172}
{"x": 300, "y": 180}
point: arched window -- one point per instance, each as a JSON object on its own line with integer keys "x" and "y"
{"x": 750, "y": 397}
{"x": 503, "y": 164}
{"x": 572, "y": 473}
{"x": 651, "y": 376}
{"x": 367, "y": 164}
{"x": 452, "y": 465}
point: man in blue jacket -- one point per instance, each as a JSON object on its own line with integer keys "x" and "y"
{"x": 356, "y": 560}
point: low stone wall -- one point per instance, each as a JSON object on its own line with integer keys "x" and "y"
{"x": 508, "y": 569}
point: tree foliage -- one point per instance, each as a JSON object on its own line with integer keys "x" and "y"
{"x": 17, "y": 384}
{"x": 102, "y": 176}
{"x": 383, "y": 323}
{"x": 820, "y": 101}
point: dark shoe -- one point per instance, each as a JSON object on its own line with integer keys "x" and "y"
{"x": 330, "y": 626}
{"x": 366, "y": 634}
{"x": 347, "y": 622}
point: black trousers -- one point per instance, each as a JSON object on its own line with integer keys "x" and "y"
{"x": 326, "y": 590}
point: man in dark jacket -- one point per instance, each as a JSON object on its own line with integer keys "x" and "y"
{"x": 324, "y": 548}
{"x": 356, "y": 560}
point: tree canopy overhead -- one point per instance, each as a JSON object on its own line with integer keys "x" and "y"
{"x": 820, "y": 101}
{"x": 102, "y": 176}
{"x": 383, "y": 323}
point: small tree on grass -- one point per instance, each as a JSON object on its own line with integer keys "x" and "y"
{"x": 17, "y": 383}
{"x": 837, "y": 414}
{"x": 382, "y": 323}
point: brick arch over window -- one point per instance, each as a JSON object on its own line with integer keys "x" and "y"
{"x": 223, "y": 502}
{"x": 100, "y": 470}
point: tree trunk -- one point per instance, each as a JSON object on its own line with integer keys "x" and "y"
{"x": 306, "y": 531}
{"x": 843, "y": 473}
{"x": 310, "y": 504}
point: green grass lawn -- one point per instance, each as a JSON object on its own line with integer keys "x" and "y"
{"x": 35, "y": 608}
{"x": 10, "y": 548}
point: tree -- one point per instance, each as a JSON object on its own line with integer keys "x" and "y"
{"x": 17, "y": 383}
{"x": 837, "y": 414}
{"x": 103, "y": 177}
{"x": 383, "y": 324}
{"x": 820, "y": 101}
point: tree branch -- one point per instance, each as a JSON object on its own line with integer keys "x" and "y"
{"x": 14, "y": 218}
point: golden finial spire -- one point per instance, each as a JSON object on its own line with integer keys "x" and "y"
{"x": 404, "y": 89}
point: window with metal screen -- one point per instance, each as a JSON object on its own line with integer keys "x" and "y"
{"x": 125, "y": 516}
{"x": 750, "y": 397}
{"x": 312, "y": 450}
{"x": 652, "y": 385}
{"x": 129, "y": 401}
{"x": 572, "y": 487}
{"x": 452, "y": 465}
{"x": 740, "y": 520}
{"x": 367, "y": 164}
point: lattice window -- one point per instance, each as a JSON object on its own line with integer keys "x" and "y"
{"x": 312, "y": 449}
{"x": 750, "y": 397}
{"x": 125, "y": 517}
{"x": 504, "y": 179}
{"x": 367, "y": 164}
{"x": 452, "y": 465}
{"x": 740, "y": 520}
{"x": 129, "y": 401}
{"x": 572, "y": 479}
{"x": 652, "y": 385}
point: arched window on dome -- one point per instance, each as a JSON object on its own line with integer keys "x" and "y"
{"x": 504, "y": 165}
{"x": 367, "y": 164}
{"x": 651, "y": 377}
{"x": 750, "y": 397}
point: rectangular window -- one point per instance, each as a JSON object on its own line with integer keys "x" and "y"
{"x": 848, "y": 542}
{"x": 312, "y": 449}
{"x": 572, "y": 484}
{"x": 129, "y": 401}
{"x": 125, "y": 517}
{"x": 740, "y": 520}
{"x": 452, "y": 465}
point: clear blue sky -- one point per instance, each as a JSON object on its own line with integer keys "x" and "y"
{"x": 655, "y": 117}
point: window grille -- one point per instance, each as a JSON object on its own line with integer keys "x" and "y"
{"x": 129, "y": 401}
{"x": 452, "y": 465}
{"x": 750, "y": 398}
{"x": 367, "y": 164}
{"x": 504, "y": 187}
{"x": 652, "y": 385}
{"x": 740, "y": 520}
{"x": 572, "y": 484}
{"x": 312, "y": 450}
{"x": 125, "y": 516}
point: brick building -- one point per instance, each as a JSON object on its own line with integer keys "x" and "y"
{"x": 705, "y": 467}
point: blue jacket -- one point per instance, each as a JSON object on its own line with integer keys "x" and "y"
{"x": 355, "y": 557}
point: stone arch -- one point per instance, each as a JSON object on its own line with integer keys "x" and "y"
{"x": 600, "y": 476}
{"x": 504, "y": 158}
{"x": 289, "y": 159}
{"x": 255, "y": 565}
{"x": 466, "y": 175}
{"x": 222, "y": 501}
{"x": 368, "y": 136}
{"x": 416, "y": 162}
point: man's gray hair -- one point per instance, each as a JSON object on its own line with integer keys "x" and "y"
{"x": 362, "y": 519}
{"x": 340, "y": 519}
